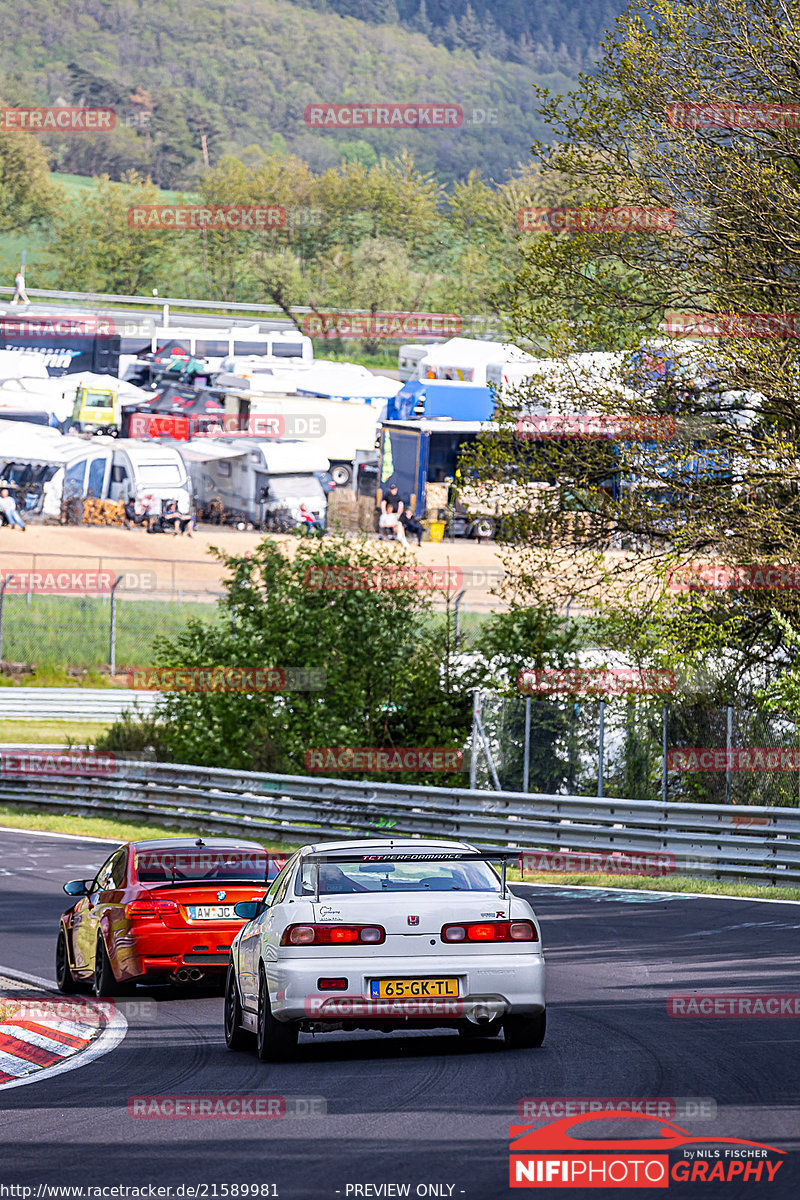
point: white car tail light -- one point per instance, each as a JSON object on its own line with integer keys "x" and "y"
{"x": 333, "y": 935}
{"x": 491, "y": 931}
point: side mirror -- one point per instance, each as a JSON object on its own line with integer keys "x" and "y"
{"x": 77, "y": 887}
{"x": 247, "y": 909}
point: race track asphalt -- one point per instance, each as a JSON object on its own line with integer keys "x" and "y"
{"x": 423, "y": 1108}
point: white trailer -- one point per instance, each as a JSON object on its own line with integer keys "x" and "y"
{"x": 254, "y": 480}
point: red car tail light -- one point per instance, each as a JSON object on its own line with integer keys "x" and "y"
{"x": 491, "y": 931}
{"x": 332, "y": 985}
{"x": 333, "y": 935}
{"x": 149, "y": 909}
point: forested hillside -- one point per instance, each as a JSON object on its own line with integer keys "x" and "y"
{"x": 233, "y": 76}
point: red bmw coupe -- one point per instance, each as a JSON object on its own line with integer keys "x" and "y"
{"x": 159, "y": 911}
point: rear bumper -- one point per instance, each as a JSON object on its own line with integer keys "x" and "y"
{"x": 168, "y": 950}
{"x": 490, "y": 986}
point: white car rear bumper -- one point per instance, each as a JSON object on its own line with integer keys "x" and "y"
{"x": 493, "y": 984}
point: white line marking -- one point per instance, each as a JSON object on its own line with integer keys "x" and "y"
{"x": 108, "y": 1040}
{"x": 38, "y": 1039}
{"x": 16, "y": 1066}
{"x": 73, "y": 837}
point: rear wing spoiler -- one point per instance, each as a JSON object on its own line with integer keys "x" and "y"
{"x": 392, "y": 856}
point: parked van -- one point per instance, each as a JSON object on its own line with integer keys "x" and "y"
{"x": 410, "y": 356}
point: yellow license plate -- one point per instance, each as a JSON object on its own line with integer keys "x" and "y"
{"x": 418, "y": 989}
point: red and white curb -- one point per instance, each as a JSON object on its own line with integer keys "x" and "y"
{"x": 43, "y": 1033}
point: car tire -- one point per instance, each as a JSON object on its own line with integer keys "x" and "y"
{"x": 483, "y": 527}
{"x": 105, "y": 983}
{"x": 525, "y": 1033}
{"x": 276, "y": 1041}
{"x": 342, "y": 475}
{"x": 66, "y": 981}
{"x": 236, "y": 1038}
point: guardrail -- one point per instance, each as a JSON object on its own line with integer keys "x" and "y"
{"x": 72, "y": 704}
{"x": 759, "y": 845}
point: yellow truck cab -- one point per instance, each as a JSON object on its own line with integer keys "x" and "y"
{"x": 97, "y": 410}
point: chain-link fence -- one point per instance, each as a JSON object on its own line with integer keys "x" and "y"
{"x": 45, "y": 631}
{"x": 636, "y": 749}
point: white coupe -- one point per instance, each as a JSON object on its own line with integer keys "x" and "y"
{"x": 381, "y": 934}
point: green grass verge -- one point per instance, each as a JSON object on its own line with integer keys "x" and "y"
{"x": 52, "y": 733}
{"x": 113, "y": 829}
{"x": 649, "y": 883}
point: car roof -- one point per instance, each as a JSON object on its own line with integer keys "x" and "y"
{"x": 422, "y": 845}
{"x": 191, "y": 844}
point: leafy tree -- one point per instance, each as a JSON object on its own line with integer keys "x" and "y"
{"x": 710, "y": 472}
{"x": 389, "y": 673}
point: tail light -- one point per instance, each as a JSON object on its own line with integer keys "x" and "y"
{"x": 491, "y": 931}
{"x": 333, "y": 935}
{"x": 149, "y": 909}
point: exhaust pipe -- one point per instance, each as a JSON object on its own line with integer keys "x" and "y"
{"x": 188, "y": 975}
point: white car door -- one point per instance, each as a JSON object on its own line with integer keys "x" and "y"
{"x": 251, "y": 939}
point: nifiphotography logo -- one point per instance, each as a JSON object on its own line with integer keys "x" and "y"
{"x": 572, "y": 1153}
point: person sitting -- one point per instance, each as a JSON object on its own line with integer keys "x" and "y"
{"x": 8, "y": 507}
{"x": 136, "y": 514}
{"x": 411, "y": 525}
{"x": 392, "y": 507}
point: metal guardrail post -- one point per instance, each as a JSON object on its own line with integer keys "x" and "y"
{"x": 664, "y": 721}
{"x": 601, "y": 747}
{"x": 456, "y": 628}
{"x": 3, "y": 587}
{"x": 473, "y": 758}
{"x": 728, "y": 747}
{"x": 526, "y": 760}
{"x": 112, "y": 649}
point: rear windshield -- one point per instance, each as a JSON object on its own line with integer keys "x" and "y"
{"x": 201, "y": 866}
{"x": 335, "y": 880}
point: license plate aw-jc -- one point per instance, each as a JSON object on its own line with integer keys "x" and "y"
{"x": 212, "y": 912}
{"x": 403, "y": 989}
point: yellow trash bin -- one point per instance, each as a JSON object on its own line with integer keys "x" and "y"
{"x": 436, "y": 530}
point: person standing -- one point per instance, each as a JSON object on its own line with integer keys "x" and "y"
{"x": 19, "y": 288}
{"x": 8, "y": 506}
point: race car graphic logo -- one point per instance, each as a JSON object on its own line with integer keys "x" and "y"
{"x": 577, "y": 1152}
{"x": 413, "y": 920}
